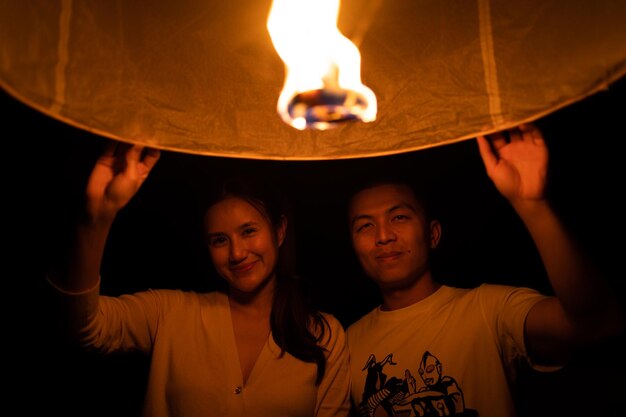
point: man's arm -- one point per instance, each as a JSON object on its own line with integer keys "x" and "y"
{"x": 585, "y": 308}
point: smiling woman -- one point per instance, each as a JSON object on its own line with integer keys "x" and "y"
{"x": 202, "y": 76}
{"x": 243, "y": 245}
{"x": 255, "y": 349}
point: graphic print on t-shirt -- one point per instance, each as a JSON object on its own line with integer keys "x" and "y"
{"x": 435, "y": 394}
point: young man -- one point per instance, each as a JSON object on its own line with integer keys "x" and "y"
{"x": 434, "y": 350}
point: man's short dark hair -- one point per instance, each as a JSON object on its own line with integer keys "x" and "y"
{"x": 421, "y": 188}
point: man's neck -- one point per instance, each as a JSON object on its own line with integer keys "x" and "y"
{"x": 396, "y": 298}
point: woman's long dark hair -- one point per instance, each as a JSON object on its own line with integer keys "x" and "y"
{"x": 296, "y": 327}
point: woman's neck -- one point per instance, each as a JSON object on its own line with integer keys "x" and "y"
{"x": 257, "y": 303}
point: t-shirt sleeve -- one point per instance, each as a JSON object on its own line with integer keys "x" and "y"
{"x": 333, "y": 394}
{"x": 506, "y": 308}
{"x": 109, "y": 324}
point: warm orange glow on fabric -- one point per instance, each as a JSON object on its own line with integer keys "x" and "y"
{"x": 204, "y": 76}
{"x": 322, "y": 67}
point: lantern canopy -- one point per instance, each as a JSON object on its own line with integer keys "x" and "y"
{"x": 203, "y": 77}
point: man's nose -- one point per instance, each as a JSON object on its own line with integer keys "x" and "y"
{"x": 385, "y": 234}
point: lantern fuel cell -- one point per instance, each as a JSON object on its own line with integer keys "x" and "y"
{"x": 323, "y": 85}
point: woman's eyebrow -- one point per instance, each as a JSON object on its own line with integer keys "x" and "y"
{"x": 247, "y": 224}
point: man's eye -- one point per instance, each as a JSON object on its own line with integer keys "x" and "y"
{"x": 363, "y": 227}
{"x": 400, "y": 217}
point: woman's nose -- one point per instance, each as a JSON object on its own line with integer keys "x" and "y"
{"x": 238, "y": 252}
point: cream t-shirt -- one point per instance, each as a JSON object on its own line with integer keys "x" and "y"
{"x": 452, "y": 353}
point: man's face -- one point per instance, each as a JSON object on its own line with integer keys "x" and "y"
{"x": 390, "y": 235}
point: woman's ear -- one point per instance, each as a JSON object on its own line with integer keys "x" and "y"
{"x": 435, "y": 233}
{"x": 281, "y": 230}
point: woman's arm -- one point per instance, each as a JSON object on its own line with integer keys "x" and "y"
{"x": 116, "y": 177}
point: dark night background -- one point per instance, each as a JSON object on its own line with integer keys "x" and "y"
{"x": 154, "y": 244}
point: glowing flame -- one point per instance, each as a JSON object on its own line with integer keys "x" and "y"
{"x": 323, "y": 68}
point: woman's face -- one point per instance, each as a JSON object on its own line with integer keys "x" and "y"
{"x": 243, "y": 244}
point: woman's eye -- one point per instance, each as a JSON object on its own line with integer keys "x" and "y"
{"x": 249, "y": 231}
{"x": 217, "y": 241}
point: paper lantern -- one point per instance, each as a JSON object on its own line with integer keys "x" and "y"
{"x": 203, "y": 77}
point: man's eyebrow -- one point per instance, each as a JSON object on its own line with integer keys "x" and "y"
{"x": 360, "y": 217}
{"x": 388, "y": 211}
{"x": 402, "y": 206}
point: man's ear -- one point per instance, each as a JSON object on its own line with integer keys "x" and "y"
{"x": 281, "y": 230}
{"x": 435, "y": 233}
